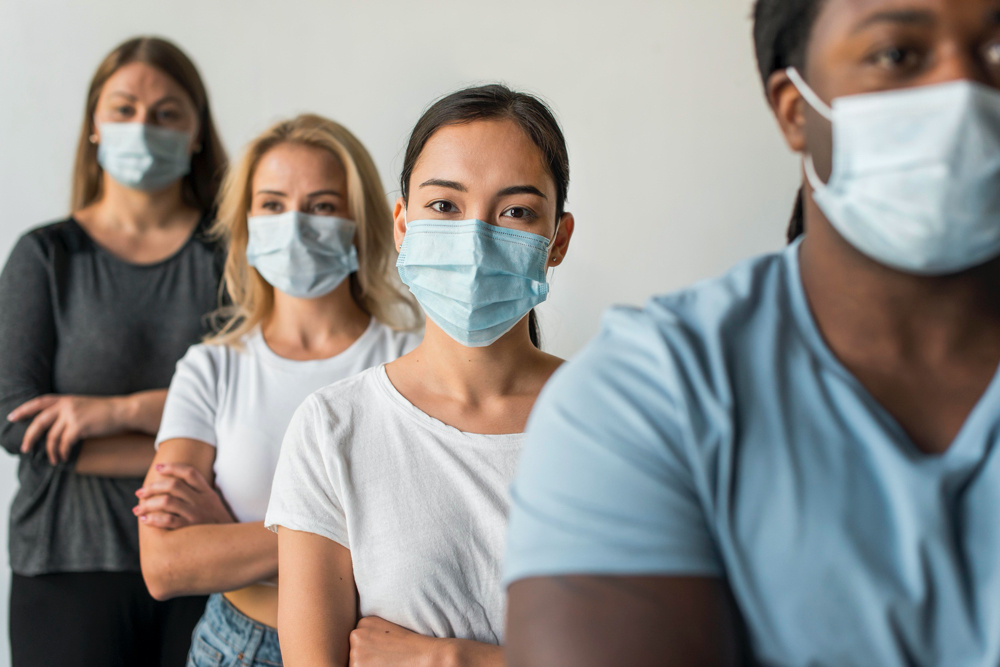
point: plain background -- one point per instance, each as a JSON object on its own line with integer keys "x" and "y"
{"x": 678, "y": 170}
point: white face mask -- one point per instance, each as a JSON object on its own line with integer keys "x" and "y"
{"x": 916, "y": 174}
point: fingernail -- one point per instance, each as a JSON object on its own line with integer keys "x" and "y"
{"x": 10, "y": 417}
{"x": 140, "y": 493}
{"x": 143, "y": 518}
{"x": 159, "y": 466}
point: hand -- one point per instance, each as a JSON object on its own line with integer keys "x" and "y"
{"x": 68, "y": 419}
{"x": 379, "y": 643}
{"x": 181, "y": 497}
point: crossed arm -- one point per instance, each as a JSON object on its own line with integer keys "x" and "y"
{"x": 189, "y": 543}
{"x": 584, "y": 621}
{"x": 114, "y": 433}
{"x": 317, "y": 604}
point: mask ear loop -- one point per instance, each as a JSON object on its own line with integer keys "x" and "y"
{"x": 823, "y": 109}
{"x": 550, "y": 271}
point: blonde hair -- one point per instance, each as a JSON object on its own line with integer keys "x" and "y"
{"x": 201, "y": 184}
{"x": 375, "y": 286}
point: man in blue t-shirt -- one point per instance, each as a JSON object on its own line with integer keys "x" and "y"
{"x": 797, "y": 463}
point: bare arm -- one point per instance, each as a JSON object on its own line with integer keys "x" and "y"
{"x": 376, "y": 643}
{"x": 316, "y": 600}
{"x": 583, "y": 621}
{"x": 203, "y": 558}
{"x": 125, "y": 455}
{"x": 114, "y": 433}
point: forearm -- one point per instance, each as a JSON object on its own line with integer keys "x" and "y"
{"x": 123, "y": 455}
{"x": 208, "y": 558}
{"x": 465, "y": 653}
{"x": 141, "y": 411}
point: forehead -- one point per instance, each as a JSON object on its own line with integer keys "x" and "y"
{"x": 290, "y": 162}
{"x": 145, "y": 82}
{"x": 848, "y": 14}
{"x": 483, "y": 152}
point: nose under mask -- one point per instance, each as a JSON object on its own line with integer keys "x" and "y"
{"x": 916, "y": 174}
{"x": 143, "y": 157}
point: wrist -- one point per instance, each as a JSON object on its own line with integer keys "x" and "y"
{"x": 124, "y": 411}
{"x": 447, "y": 653}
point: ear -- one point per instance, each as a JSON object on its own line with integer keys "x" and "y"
{"x": 399, "y": 222}
{"x": 789, "y": 108}
{"x": 561, "y": 243}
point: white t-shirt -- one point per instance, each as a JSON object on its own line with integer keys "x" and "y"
{"x": 421, "y": 505}
{"x": 241, "y": 400}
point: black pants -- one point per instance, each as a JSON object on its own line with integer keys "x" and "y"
{"x": 97, "y": 619}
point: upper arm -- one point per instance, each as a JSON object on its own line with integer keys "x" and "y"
{"x": 316, "y": 599}
{"x": 27, "y": 335}
{"x": 192, "y": 401}
{"x": 583, "y": 621}
{"x": 607, "y": 482}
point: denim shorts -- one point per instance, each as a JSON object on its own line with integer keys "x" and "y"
{"x": 226, "y": 638}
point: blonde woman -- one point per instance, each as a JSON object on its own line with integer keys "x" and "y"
{"x": 309, "y": 272}
{"x": 95, "y": 311}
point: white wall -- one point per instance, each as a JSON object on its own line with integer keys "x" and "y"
{"x": 677, "y": 168}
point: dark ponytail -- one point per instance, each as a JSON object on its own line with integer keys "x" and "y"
{"x": 493, "y": 102}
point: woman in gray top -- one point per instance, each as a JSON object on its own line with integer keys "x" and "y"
{"x": 97, "y": 309}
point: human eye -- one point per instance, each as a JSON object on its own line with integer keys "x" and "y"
{"x": 168, "y": 115}
{"x": 123, "y": 111}
{"x": 897, "y": 58}
{"x": 519, "y": 213}
{"x": 272, "y": 206}
{"x": 442, "y": 206}
{"x": 324, "y": 208}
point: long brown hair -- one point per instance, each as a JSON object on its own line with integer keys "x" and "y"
{"x": 375, "y": 286}
{"x": 201, "y": 185}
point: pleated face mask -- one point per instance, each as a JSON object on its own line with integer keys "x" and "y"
{"x": 143, "y": 157}
{"x": 474, "y": 280}
{"x": 302, "y": 255}
{"x": 916, "y": 174}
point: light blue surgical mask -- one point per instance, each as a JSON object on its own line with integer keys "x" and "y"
{"x": 474, "y": 280}
{"x": 302, "y": 255}
{"x": 143, "y": 157}
{"x": 916, "y": 174}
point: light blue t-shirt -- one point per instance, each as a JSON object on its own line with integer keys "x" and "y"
{"x": 714, "y": 433}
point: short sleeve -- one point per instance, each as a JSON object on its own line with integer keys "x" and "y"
{"x": 27, "y": 334}
{"x": 193, "y": 398}
{"x": 306, "y": 492}
{"x": 605, "y": 484}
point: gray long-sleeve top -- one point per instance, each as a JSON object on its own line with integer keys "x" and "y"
{"x": 74, "y": 319}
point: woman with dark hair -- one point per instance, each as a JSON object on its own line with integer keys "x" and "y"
{"x": 97, "y": 309}
{"x": 390, "y": 496}
{"x": 808, "y": 444}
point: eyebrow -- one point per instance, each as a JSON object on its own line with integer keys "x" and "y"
{"x": 522, "y": 190}
{"x": 133, "y": 98}
{"x": 441, "y": 183}
{"x": 279, "y": 193}
{"x": 904, "y": 16}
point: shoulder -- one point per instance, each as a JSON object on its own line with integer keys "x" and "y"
{"x": 209, "y": 362}
{"x": 42, "y": 241}
{"x": 348, "y": 394}
{"x": 678, "y": 352}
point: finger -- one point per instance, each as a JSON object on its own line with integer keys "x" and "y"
{"x": 167, "y": 504}
{"x": 189, "y": 474}
{"x": 52, "y": 440}
{"x": 170, "y": 487}
{"x": 68, "y": 438}
{"x": 38, "y": 425}
{"x": 163, "y": 520}
{"x": 32, "y": 407}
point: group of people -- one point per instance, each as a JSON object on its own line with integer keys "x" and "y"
{"x": 263, "y": 418}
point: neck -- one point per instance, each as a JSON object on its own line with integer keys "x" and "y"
{"x": 864, "y": 307}
{"x": 469, "y": 374}
{"x": 137, "y": 210}
{"x": 313, "y": 324}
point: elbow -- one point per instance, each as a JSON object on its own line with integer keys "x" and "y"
{"x": 161, "y": 582}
